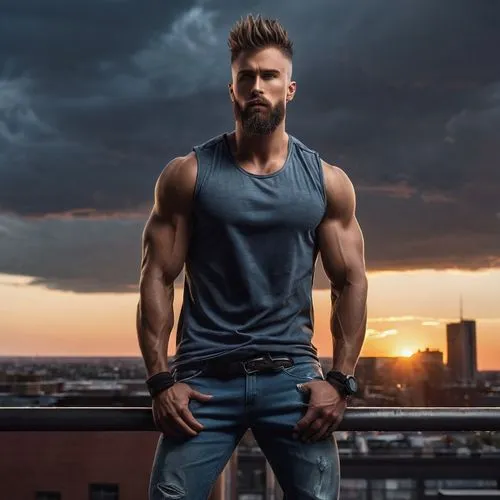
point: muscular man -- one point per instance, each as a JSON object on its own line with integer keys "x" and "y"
{"x": 246, "y": 214}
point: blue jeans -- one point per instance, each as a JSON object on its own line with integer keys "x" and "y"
{"x": 270, "y": 404}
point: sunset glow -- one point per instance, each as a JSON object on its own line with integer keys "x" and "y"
{"x": 408, "y": 311}
{"x": 406, "y": 352}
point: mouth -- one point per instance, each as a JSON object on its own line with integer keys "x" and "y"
{"x": 257, "y": 104}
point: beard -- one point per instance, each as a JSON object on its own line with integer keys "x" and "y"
{"x": 259, "y": 121}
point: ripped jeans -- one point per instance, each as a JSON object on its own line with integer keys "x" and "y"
{"x": 270, "y": 404}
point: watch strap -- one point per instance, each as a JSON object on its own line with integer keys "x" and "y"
{"x": 339, "y": 381}
{"x": 341, "y": 388}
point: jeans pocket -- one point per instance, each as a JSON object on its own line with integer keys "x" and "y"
{"x": 305, "y": 371}
{"x": 186, "y": 375}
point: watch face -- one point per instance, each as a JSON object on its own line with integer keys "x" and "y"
{"x": 352, "y": 384}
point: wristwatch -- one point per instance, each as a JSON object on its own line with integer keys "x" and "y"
{"x": 347, "y": 385}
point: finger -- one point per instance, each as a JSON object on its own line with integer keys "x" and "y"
{"x": 189, "y": 419}
{"x": 323, "y": 432}
{"x": 306, "y": 420}
{"x": 175, "y": 423}
{"x": 180, "y": 425}
{"x": 199, "y": 396}
{"x": 330, "y": 429}
{"x": 312, "y": 429}
{"x": 167, "y": 427}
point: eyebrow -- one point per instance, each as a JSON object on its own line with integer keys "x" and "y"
{"x": 263, "y": 70}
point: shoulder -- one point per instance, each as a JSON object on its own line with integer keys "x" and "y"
{"x": 340, "y": 194}
{"x": 300, "y": 145}
{"x": 304, "y": 151}
{"x": 336, "y": 178}
{"x": 181, "y": 171}
{"x": 177, "y": 181}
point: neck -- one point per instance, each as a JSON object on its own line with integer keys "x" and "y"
{"x": 260, "y": 148}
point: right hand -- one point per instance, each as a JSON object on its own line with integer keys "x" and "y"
{"x": 171, "y": 412}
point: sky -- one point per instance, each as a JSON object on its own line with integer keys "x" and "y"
{"x": 97, "y": 96}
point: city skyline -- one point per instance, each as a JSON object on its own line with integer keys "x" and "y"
{"x": 407, "y": 105}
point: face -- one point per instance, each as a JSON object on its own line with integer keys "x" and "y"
{"x": 260, "y": 89}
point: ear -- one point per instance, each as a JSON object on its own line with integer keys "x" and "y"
{"x": 290, "y": 94}
{"x": 230, "y": 88}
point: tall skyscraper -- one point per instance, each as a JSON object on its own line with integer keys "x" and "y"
{"x": 462, "y": 352}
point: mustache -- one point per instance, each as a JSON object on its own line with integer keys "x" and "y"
{"x": 253, "y": 102}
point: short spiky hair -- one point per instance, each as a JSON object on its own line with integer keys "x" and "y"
{"x": 251, "y": 33}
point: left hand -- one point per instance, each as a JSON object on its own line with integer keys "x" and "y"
{"x": 325, "y": 412}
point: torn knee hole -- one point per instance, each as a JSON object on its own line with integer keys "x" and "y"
{"x": 322, "y": 463}
{"x": 171, "y": 491}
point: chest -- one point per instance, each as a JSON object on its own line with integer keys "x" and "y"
{"x": 247, "y": 201}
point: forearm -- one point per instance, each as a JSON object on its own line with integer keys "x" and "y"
{"x": 348, "y": 324}
{"x": 155, "y": 320}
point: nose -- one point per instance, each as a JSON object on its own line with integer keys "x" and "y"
{"x": 257, "y": 83}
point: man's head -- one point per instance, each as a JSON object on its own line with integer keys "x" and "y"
{"x": 261, "y": 67}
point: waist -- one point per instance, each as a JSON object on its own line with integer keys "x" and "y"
{"x": 229, "y": 367}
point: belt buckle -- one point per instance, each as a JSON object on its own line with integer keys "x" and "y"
{"x": 246, "y": 365}
{"x": 286, "y": 361}
{"x": 266, "y": 364}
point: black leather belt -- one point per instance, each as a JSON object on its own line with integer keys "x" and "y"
{"x": 260, "y": 364}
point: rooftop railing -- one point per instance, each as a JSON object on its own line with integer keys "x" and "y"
{"x": 447, "y": 419}
{"x": 355, "y": 419}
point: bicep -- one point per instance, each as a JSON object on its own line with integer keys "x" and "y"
{"x": 166, "y": 235}
{"x": 164, "y": 247}
{"x": 341, "y": 248}
{"x": 340, "y": 237}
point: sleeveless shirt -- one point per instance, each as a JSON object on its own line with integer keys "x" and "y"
{"x": 251, "y": 257}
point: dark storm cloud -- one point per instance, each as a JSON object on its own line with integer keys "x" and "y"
{"x": 96, "y": 96}
{"x": 73, "y": 254}
{"x": 79, "y": 255}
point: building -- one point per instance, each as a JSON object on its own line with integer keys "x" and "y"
{"x": 82, "y": 466}
{"x": 380, "y": 370}
{"x": 462, "y": 352}
{"x": 428, "y": 365}
{"x": 427, "y": 378}
{"x": 95, "y": 465}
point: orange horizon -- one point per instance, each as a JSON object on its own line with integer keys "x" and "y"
{"x": 407, "y": 312}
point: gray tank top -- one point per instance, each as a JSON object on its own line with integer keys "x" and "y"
{"x": 251, "y": 257}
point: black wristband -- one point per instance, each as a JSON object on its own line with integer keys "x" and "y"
{"x": 159, "y": 383}
{"x": 338, "y": 385}
{"x": 337, "y": 379}
{"x": 347, "y": 385}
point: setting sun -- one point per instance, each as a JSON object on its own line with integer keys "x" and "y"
{"x": 406, "y": 352}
